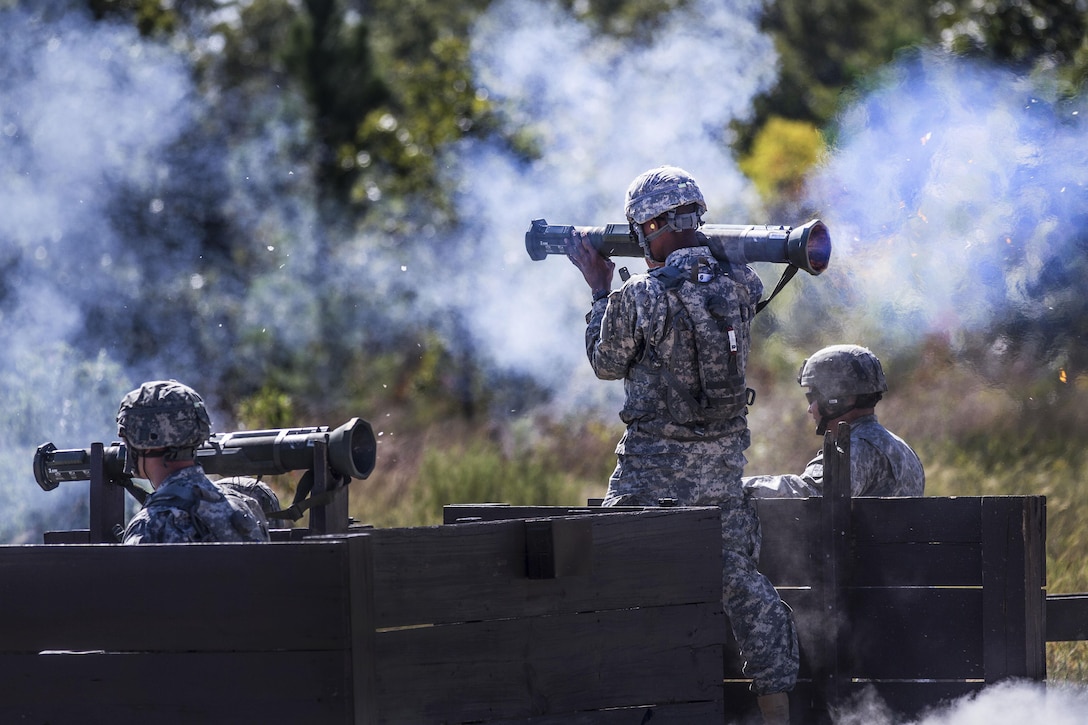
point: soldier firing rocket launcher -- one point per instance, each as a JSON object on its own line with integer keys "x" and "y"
{"x": 807, "y": 247}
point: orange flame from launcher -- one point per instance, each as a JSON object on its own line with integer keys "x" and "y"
{"x": 1061, "y": 375}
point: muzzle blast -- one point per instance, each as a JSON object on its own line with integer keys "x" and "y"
{"x": 807, "y": 246}
{"x": 352, "y": 451}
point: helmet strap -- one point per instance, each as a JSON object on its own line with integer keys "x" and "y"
{"x": 179, "y": 454}
{"x": 830, "y": 410}
{"x": 673, "y": 223}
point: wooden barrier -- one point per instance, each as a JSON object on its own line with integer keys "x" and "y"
{"x": 921, "y": 600}
{"x": 531, "y": 615}
{"x": 612, "y": 618}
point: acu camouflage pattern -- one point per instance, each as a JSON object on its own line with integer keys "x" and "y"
{"x": 839, "y": 371}
{"x": 618, "y": 335}
{"x": 189, "y": 508}
{"x": 163, "y": 414}
{"x": 656, "y": 191}
{"x": 698, "y": 465}
{"x": 881, "y": 464}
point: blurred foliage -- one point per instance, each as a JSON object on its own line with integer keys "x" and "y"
{"x": 375, "y": 93}
{"x": 826, "y": 48}
{"x": 782, "y": 153}
{"x": 1023, "y": 32}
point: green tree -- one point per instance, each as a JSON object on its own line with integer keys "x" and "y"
{"x": 782, "y": 154}
{"x": 826, "y": 48}
{"x": 1022, "y": 32}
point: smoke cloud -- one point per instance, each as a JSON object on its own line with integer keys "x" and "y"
{"x": 955, "y": 194}
{"x": 603, "y": 111}
{"x": 97, "y": 123}
{"x": 83, "y": 107}
{"x": 1010, "y": 703}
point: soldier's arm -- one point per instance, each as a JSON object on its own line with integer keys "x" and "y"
{"x": 779, "y": 486}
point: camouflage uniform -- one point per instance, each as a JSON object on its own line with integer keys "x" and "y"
{"x": 698, "y": 465}
{"x": 187, "y": 507}
{"x": 881, "y": 464}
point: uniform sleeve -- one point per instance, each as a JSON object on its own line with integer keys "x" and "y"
{"x": 781, "y": 486}
{"x": 810, "y": 483}
{"x": 876, "y": 471}
{"x": 614, "y": 335}
{"x": 136, "y": 531}
{"x": 754, "y": 284}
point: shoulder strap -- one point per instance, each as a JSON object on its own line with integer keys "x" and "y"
{"x": 787, "y": 275}
{"x": 670, "y": 277}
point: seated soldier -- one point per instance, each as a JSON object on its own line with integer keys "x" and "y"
{"x": 162, "y": 424}
{"x": 844, "y": 383}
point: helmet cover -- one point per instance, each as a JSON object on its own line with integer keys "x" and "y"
{"x": 840, "y": 371}
{"x": 659, "y": 190}
{"x": 163, "y": 414}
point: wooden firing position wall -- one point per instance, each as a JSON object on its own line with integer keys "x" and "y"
{"x": 923, "y": 599}
{"x": 609, "y": 618}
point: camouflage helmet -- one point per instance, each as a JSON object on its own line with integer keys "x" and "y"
{"x": 659, "y": 190}
{"x": 840, "y": 371}
{"x": 164, "y": 414}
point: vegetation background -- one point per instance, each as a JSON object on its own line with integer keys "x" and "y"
{"x": 279, "y": 245}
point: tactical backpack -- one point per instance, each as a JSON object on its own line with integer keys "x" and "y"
{"x": 208, "y": 516}
{"x": 707, "y": 323}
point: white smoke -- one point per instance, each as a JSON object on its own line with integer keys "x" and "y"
{"x": 1010, "y": 703}
{"x": 954, "y": 191}
{"x": 82, "y": 108}
{"x": 602, "y": 111}
{"x": 90, "y": 108}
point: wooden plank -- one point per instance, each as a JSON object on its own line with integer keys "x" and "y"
{"x": 550, "y": 664}
{"x": 471, "y": 513}
{"x": 175, "y": 688}
{"x": 917, "y": 564}
{"x": 915, "y": 633}
{"x": 809, "y": 619}
{"x": 830, "y": 663}
{"x": 216, "y": 597}
{"x": 558, "y": 547}
{"x": 477, "y": 571}
{"x": 1066, "y": 617}
{"x": 74, "y": 536}
{"x": 896, "y": 541}
{"x": 683, "y": 712}
{"x": 106, "y": 501}
{"x": 1014, "y": 579}
{"x": 791, "y": 551}
{"x": 918, "y": 520}
{"x": 363, "y": 696}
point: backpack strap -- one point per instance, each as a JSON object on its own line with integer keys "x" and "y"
{"x": 670, "y": 277}
{"x": 787, "y": 275}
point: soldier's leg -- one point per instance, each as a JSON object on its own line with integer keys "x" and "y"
{"x": 762, "y": 623}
